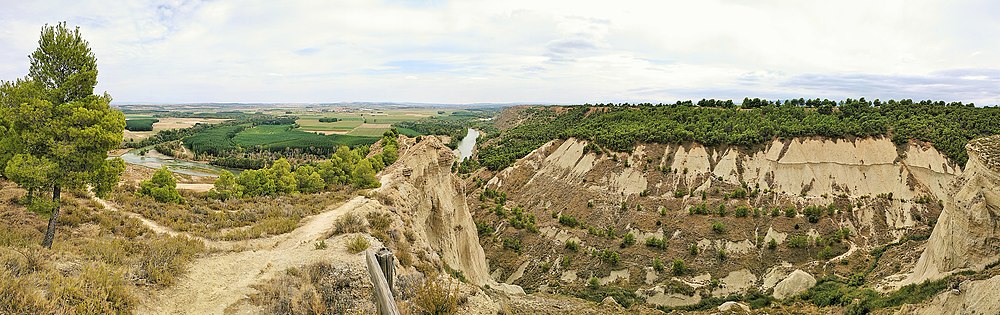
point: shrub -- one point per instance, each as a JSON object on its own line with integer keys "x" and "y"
{"x": 657, "y": 265}
{"x": 628, "y": 240}
{"x": 718, "y": 227}
{"x": 609, "y": 257}
{"x": 798, "y": 241}
{"x": 17, "y": 296}
{"x": 721, "y": 254}
{"x": 98, "y": 289}
{"x": 693, "y": 249}
{"x": 512, "y": 244}
{"x": 348, "y": 223}
{"x": 812, "y": 213}
{"x": 790, "y": 212}
{"x": 568, "y": 221}
{"x": 162, "y": 187}
{"x": 742, "y": 211}
{"x": 357, "y": 244}
{"x": 572, "y": 245}
{"x": 826, "y": 253}
{"x": 772, "y": 244}
{"x": 484, "y": 228}
{"x": 678, "y": 267}
{"x": 656, "y": 242}
{"x": 436, "y": 297}
{"x": 775, "y": 212}
{"x": 594, "y": 283}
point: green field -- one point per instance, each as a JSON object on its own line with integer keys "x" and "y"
{"x": 367, "y": 132}
{"x": 140, "y": 124}
{"x": 315, "y": 125}
{"x": 278, "y": 137}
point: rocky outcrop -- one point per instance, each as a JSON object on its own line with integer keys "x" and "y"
{"x": 967, "y": 234}
{"x": 972, "y": 297}
{"x": 422, "y": 190}
{"x": 797, "y": 282}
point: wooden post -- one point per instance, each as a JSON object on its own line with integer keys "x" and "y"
{"x": 386, "y": 262}
{"x": 383, "y": 295}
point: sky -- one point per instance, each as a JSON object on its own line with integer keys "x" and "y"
{"x": 514, "y": 51}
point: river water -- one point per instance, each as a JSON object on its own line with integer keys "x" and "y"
{"x": 467, "y": 145}
{"x": 153, "y": 159}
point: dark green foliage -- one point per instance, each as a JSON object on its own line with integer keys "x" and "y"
{"x": 568, "y": 221}
{"x": 484, "y": 229}
{"x": 608, "y": 257}
{"x": 597, "y": 293}
{"x": 512, "y": 244}
{"x": 140, "y": 124}
{"x": 813, "y": 213}
{"x": 628, "y": 240}
{"x": 522, "y": 220}
{"x": 162, "y": 187}
{"x": 656, "y": 242}
{"x": 329, "y": 119}
{"x": 798, "y": 241}
{"x": 677, "y": 267}
{"x": 834, "y": 292}
{"x": 742, "y": 211}
{"x": 718, "y": 227}
{"x": 572, "y": 245}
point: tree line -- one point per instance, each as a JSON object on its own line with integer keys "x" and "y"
{"x": 345, "y": 167}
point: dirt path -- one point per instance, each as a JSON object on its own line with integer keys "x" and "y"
{"x": 215, "y": 282}
{"x": 156, "y": 227}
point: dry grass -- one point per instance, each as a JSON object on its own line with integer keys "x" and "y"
{"x": 237, "y": 219}
{"x": 435, "y": 296}
{"x": 316, "y": 289}
{"x": 99, "y": 261}
{"x": 357, "y": 244}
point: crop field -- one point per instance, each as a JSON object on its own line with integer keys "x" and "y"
{"x": 140, "y": 124}
{"x": 278, "y": 137}
{"x": 365, "y": 123}
{"x": 215, "y": 140}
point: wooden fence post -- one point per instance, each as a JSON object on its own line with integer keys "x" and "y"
{"x": 386, "y": 262}
{"x": 383, "y": 294}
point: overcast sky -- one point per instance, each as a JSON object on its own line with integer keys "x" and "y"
{"x": 523, "y": 51}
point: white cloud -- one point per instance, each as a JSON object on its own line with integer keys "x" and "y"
{"x": 522, "y": 51}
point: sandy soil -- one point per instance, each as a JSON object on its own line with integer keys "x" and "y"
{"x": 195, "y": 187}
{"x": 220, "y": 280}
{"x": 170, "y": 123}
{"x": 217, "y": 281}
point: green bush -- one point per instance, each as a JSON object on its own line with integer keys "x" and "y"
{"x": 162, "y": 187}
{"x": 678, "y": 267}
{"x": 718, "y": 227}
{"x": 572, "y": 245}
{"x": 628, "y": 240}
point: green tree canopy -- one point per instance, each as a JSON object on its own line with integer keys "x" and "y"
{"x": 55, "y": 124}
{"x": 162, "y": 187}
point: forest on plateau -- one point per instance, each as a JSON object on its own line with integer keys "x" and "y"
{"x": 947, "y": 126}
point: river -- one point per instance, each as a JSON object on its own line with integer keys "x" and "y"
{"x": 467, "y": 145}
{"x": 155, "y": 160}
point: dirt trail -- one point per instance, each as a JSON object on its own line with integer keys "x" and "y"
{"x": 214, "y": 283}
{"x": 156, "y": 227}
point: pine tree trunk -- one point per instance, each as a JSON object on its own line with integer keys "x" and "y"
{"x": 50, "y": 233}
